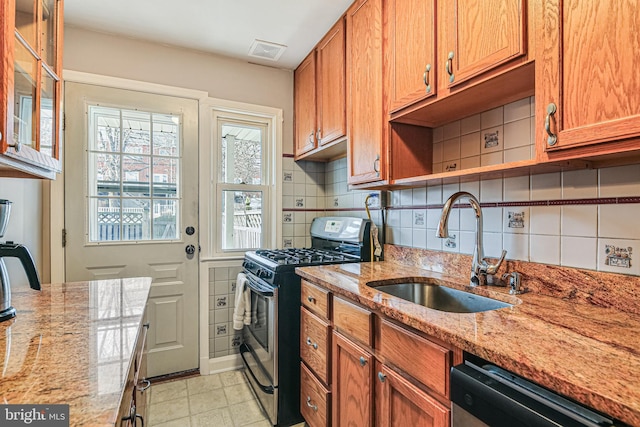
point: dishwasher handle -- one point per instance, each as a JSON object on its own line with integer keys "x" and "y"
{"x": 499, "y": 402}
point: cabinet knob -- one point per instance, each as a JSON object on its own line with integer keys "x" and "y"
{"x": 552, "y": 138}
{"x": 363, "y": 361}
{"x": 16, "y": 146}
{"x": 382, "y": 377}
{"x": 449, "y": 66}
{"x": 312, "y": 344}
{"x": 425, "y": 78}
{"x": 310, "y": 299}
{"x": 314, "y": 407}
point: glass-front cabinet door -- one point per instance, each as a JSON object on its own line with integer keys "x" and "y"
{"x": 30, "y": 89}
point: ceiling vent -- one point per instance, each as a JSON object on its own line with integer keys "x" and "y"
{"x": 266, "y": 50}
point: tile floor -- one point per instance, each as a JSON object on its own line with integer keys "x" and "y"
{"x": 217, "y": 400}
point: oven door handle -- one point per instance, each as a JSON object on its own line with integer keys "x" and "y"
{"x": 258, "y": 289}
{"x": 265, "y": 388}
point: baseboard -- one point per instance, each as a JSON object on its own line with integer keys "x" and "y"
{"x": 222, "y": 364}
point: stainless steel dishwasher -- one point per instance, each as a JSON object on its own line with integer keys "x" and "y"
{"x": 485, "y": 395}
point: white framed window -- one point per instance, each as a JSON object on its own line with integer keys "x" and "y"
{"x": 244, "y": 198}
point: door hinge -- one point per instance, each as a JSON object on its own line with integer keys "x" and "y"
{"x": 64, "y": 237}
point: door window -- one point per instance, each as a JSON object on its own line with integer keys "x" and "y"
{"x": 134, "y": 175}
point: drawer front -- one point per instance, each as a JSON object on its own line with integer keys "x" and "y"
{"x": 315, "y": 299}
{"x": 424, "y": 360}
{"x": 353, "y": 321}
{"x": 314, "y": 399}
{"x": 315, "y": 340}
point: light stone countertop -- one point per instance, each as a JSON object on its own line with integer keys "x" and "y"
{"x": 72, "y": 343}
{"x": 583, "y": 351}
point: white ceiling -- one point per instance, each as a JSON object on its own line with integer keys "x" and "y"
{"x": 224, "y": 27}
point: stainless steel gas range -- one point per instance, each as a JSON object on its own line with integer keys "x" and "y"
{"x": 271, "y": 342}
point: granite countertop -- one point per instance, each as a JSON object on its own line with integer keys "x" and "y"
{"x": 583, "y": 351}
{"x": 72, "y": 343}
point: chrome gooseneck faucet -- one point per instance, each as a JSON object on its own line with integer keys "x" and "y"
{"x": 480, "y": 268}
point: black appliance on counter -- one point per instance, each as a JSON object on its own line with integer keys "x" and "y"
{"x": 12, "y": 250}
{"x": 270, "y": 346}
{"x": 483, "y": 394}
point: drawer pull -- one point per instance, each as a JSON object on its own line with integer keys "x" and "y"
{"x": 363, "y": 361}
{"x": 376, "y": 165}
{"x": 382, "y": 377}
{"x": 314, "y": 407}
{"x": 311, "y": 299}
{"x": 147, "y": 384}
{"x": 552, "y": 138}
{"x": 312, "y": 344}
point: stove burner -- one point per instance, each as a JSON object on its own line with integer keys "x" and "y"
{"x": 300, "y": 256}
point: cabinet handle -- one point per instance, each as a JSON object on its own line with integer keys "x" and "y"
{"x": 318, "y": 133}
{"x": 449, "y": 66}
{"x": 314, "y": 407}
{"x": 312, "y": 344}
{"x": 551, "y": 138}
{"x": 363, "y": 361}
{"x": 425, "y": 78}
{"x": 138, "y": 416}
{"x": 147, "y": 384}
{"x": 382, "y": 377}
{"x": 310, "y": 139}
{"x": 376, "y": 165}
{"x": 311, "y": 299}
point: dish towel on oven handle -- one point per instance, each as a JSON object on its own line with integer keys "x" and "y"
{"x": 242, "y": 306}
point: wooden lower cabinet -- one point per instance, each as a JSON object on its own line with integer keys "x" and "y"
{"x": 352, "y": 386}
{"x": 315, "y": 401}
{"x": 400, "y": 403}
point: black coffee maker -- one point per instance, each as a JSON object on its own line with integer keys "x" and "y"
{"x": 10, "y": 249}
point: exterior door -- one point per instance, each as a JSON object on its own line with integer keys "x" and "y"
{"x": 131, "y": 206}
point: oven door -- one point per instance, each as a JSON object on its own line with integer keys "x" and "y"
{"x": 258, "y": 349}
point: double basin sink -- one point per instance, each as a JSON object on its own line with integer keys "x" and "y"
{"x": 437, "y": 297}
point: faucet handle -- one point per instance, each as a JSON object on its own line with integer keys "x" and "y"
{"x": 493, "y": 268}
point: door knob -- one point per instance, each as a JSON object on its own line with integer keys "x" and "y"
{"x": 190, "y": 230}
{"x": 190, "y": 249}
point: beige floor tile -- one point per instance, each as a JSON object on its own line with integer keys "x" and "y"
{"x": 168, "y": 391}
{"x": 232, "y": 378}
{"x": 238, "y": 393}
{"x": 216, "y": 418}
{"x": 207, "y": 401}
{"x": 182, "y": 422}
{"x": 263, "y": 423}
{"x": 246, "y": 413}
{"x": 168, "y": 411}
{"x": 203, "y": 383}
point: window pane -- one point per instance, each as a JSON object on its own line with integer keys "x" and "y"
{"x": 26, "y": 20}
{"x": 49, "y": 28}
{"x": 107, "y": 174}
{"x": 106, "y": 125}
{"x": 165, "y": 177}
{"x": 24, "y": 92}
{"x": 241, "y": 154}
{"x": 106, "y": 226}
{"x": 136, "y": 132}
{"x": 135, "y": 180}
{"x": 241, "y": 219}
{"x": 47, "y": 122}
{"x": 165, "y": 135}
{"x": 165, "y": 219}
{"x": 136, "y": 219}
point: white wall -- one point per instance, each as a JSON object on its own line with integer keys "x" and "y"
{"x": 223, "y": 78}
{"x": 25, "y": 223}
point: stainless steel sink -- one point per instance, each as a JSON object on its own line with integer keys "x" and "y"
{"x": 441, "y": 297}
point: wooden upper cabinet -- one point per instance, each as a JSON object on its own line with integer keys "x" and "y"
{"x": 366, "y": 123}
{"x": 477, "y": 36}
{"x": 305, "y": 105}
{"x": 410, "y": 43}
{"x": 588, "y": 73}
{"x": 30, "y": 89}
{"x": 332, "y": 116}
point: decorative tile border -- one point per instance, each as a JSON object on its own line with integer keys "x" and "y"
{"x": 567, "y": 202}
